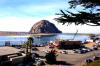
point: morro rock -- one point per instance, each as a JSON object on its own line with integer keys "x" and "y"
{"x": 44, "y": 26}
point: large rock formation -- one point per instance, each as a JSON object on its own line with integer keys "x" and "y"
{"x": 44, "y": 26}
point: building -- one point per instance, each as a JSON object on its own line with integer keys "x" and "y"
{"x": 7, "y": 43}
{"x": 68, "y": 44}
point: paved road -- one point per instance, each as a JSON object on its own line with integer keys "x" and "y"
{"x": 74, "y": 59}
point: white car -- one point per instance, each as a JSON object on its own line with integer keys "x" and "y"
{"x": 46, "y": 51}
{"x": 64, "y": 52}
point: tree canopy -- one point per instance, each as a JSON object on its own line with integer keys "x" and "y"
{"x": 28, "y": 43}
{"x": 85, "y": 3}
{"x": 90, "y": 15}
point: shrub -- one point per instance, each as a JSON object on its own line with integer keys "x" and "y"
{"x": 51, "y": 57}
{"x": 28, "y": 59}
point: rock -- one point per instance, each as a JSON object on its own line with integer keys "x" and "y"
{"x": 44, "y": 26}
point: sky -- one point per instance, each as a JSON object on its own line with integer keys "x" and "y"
{"x": 21, "y": 15}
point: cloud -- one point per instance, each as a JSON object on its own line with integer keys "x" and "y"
{"x": 25, "y": 24}
{"x": 17, "y": 23}
{"x": 20, "y": 15}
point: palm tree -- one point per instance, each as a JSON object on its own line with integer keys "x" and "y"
{"x": 28, "y": 44}
{"x": 30, "y": 41}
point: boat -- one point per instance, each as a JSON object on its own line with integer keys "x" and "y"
{"x": 93, "y": 38}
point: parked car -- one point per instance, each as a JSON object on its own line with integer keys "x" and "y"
{"x": 46, "y": 51}
{"x": 90, "y": 49}
{"x": 88, "y": 60}
{"x": 35, "y": 55}
{"x": 40, "y": 62}
{"x": 75, "y": 50}
{"x": 95, "y": 47}
{"x": 84, "y": 50}
{"x": 80, "y": 51}
{"x": 64, "y": 52}
{"x": 35, "y": 49}
{"x": 96, "y": 58}
{"x": 41, "y": 45}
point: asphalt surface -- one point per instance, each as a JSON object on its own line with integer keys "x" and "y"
{"x": 77, "y": 59}
{"x": 73, "y": 59}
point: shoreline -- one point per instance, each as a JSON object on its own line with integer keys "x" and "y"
{"x": 2, "y": 33}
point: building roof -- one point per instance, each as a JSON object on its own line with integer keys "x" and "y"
{"x": 8, "y": 50}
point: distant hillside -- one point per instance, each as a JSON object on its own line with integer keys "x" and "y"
{"x": 44, "y": 26}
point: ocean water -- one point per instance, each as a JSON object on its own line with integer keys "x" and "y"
{"x": 19, "y": 40}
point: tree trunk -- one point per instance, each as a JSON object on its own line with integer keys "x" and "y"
{"x": 30, "y": 46}
{"x": 27, "y": 49}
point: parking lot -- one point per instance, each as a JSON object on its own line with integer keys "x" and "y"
{"x": 72, "y": 59}
{"x": 75, "y": 59}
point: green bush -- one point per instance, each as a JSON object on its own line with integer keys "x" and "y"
{"x": 51, "y": 57}
{"x": 28, "y": 58}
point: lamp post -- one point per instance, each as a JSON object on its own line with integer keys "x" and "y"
{"x": 75, "y": 34}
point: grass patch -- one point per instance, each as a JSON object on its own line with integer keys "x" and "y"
{"x": 94, "y": 63}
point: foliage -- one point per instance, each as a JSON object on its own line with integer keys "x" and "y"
{"x": 25, "y": 44}
{"x": 30, "y": 39}
{"x": 85, "y": 3}
{"x": 28, "y": 44}
{"x": 51, "y": 57}
{"x": 28, "y": 54}
{"x": 95, "y": 63}
{"x": 28, "y": 58}
{"x": 90, "y": 15}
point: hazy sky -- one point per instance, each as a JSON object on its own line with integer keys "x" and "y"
{"x": 20, "y": 15}
{"x": 30, "y": 8}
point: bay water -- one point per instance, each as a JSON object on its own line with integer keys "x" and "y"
{"x": 19, "y": 40}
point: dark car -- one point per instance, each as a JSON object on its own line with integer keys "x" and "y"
{"x": 35, "y": 55}
{"x": 78, "y": 51}
{"x": 81, "y": 51}
{"x": 95, "y": 47}
{"x": 84, "y": 50}
{"x": 35, "y": 49}
{"x": 40, "y": 62}
{"x": 88, "y": 60}
{"x": 96, "y": 58}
